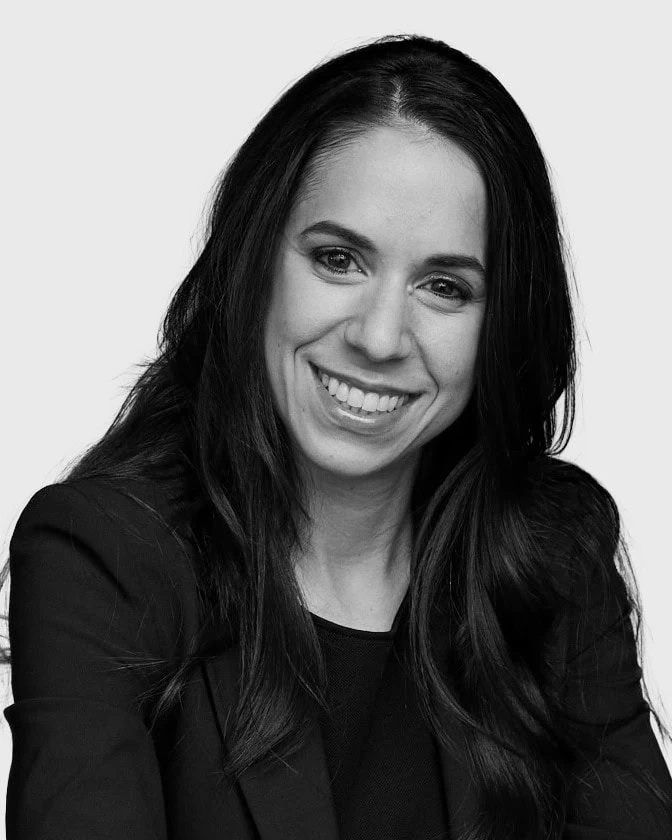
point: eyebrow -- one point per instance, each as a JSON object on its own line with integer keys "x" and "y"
{"x": 362, "y": 242}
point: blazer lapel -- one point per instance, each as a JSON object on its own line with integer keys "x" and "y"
{"x": 460, "y": 790}
{"x": 288, "y": 800}
{"x": 294, "y": 799}
{"x": 461, "y": 797}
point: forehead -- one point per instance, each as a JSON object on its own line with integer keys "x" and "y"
{"x": 404, "y": 187}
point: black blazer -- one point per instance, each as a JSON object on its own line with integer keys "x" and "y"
{"x": 96, "y": 580}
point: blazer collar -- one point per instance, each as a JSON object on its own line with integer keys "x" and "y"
{"x": 294, "y": 799}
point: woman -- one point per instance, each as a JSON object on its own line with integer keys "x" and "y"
{"x": 324, "y": 576}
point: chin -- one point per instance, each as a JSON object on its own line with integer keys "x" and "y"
{"x": 349, "y": 461}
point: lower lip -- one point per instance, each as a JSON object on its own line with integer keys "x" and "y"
{"x": 368, "y": 422}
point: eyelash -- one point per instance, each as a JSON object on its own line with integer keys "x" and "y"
{"x": 463, "y": 294}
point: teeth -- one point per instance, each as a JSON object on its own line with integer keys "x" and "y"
{"x": 342, "y": 393}
{"x": 370, "y": 402}
{"x": 355, "y": 398}
{"x": 358, "y": 400}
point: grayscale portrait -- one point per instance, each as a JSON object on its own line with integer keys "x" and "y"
{"x": 326, "y": 572}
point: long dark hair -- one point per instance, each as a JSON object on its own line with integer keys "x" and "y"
{"x": 490, "y": 503}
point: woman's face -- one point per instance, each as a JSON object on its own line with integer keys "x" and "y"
{"x": 378, "y": 298}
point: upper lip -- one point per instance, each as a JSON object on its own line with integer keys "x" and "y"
{"x": 365, "y": 385}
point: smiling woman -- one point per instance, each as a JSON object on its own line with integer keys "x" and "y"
{"x": 325, "y": 575}
{"x": 402, "y": 211}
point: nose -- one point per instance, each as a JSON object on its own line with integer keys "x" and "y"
{"x": 379, "y": 327}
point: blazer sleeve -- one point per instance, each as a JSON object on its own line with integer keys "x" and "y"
{"x": 603, "y": 698}
{"x": 81, "y": 608}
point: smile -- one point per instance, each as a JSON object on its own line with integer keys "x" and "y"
{"x": 343, "y": 408}
{"x": 358, "y": 401}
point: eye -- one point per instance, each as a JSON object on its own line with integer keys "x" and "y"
{"x": 451, "y": 289}
{"x": 335, "y": 260}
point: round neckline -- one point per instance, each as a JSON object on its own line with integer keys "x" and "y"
{"x": 352, "y": 632}
{"x": 356, "y": 632}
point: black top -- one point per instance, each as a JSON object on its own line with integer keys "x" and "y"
{"x": 383, "y": 763}
{"x": 101, "y": 592}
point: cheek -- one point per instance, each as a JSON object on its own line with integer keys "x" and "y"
{"x": 302, "y": 307}
{"x": 281, "y": 322}
{"x": 452, "y": 356}
{"x": 299, "y": 312}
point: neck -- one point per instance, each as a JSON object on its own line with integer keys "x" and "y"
{"x": 356, "y": 560}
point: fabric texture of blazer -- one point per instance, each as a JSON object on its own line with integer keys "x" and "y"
{"x": 96, "y": 581}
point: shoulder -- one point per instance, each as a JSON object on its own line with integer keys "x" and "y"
{"x": 127, "y": 511}
{"x": 589, "y": 564}
{"x": 577, "y": 528}
{"x": 572, "y": 491}
{"x": 571, "y": 502}
{"x": 104, "y": 534}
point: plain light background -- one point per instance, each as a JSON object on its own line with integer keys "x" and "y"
{"x": 119, "y": 118}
